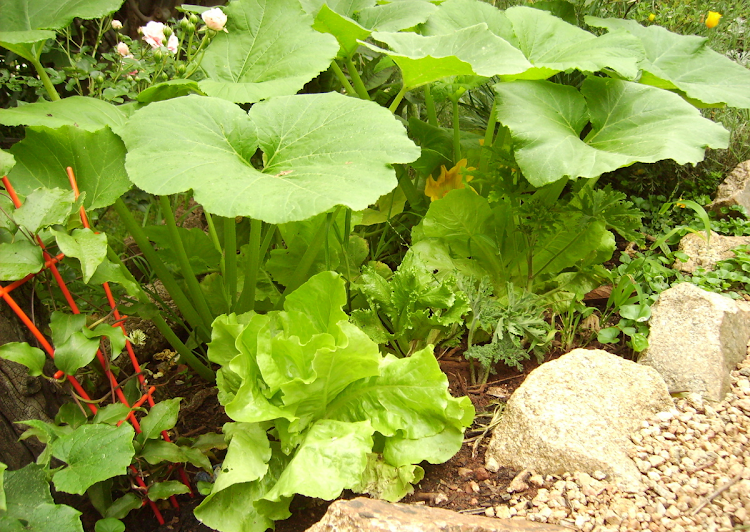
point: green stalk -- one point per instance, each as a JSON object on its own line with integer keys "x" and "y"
{"x": 165, "y": 330}
{"x": 196, "y": 294}
{"x": 430, "y": 104}
{"x": 397, "y": 100}
{"x": 342, "y": 78}
{"x": 247, "y": 297}
{"x": 358, "y": 85}
{"x": 415, "y": 197}
{"x": 303, "y": 268}
{"x": 456, "y": 133}
{"x": 213, "y": 234}
{"x": 230, "y": 260}
{"x": 489, "y": 135}
{"x": 48, "y": 86}
{"x": 185, "y": 354}
{"x": 164, "y": 275}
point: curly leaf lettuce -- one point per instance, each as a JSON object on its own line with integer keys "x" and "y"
{"x": 326, "y": 411}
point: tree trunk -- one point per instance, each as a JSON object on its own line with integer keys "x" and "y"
{"x": 22, "y": 397}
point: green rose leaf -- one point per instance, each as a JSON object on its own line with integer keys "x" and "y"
{"x": 86, "y": 246}
{"x": 395, "y": 16}
{"x": 7, "y": 161}
{"x": 320, "y": 150}
{"x": 44, "y": 207}
{"x": 473, "y": 51}
{"x": 163, "y": 416}
{"x": 164, "y": 490}
{"x": 22, "y": 353}
{"x": 19, "y": 259}
{"x": 97, "y": 159}
{"x": 270, "y": 50}
{"x": 630, "y": 122}
{"x": 93, "y": 453}
{"x": 28, "y": 500}
{"x": 686, "y": 63}
{"x": 87, "y": 114}
{"x": 331, "y": 459}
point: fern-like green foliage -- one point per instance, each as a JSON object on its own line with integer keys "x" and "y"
{"x": 516, "y": 326}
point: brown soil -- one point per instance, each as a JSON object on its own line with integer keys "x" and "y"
{"x": 461, "y": 484}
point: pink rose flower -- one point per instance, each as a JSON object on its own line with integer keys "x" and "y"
{"x": 215, "y": 19}
{"x": 123, "y": 50}
{"x": 172, "y": 43}
{"x": 153, "y": 33}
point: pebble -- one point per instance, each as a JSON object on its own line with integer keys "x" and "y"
{"x": 685, "y": 456}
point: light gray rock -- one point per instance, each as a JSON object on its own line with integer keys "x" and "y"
{"x": 735, "y": 189}
{"x": 697, "y": 337}
{"x": 576, "y": 413}
{"x": 371, "y": 515}
{"x": 706, "y": 254}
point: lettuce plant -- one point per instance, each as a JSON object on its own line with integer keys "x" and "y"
{"x": 317, "y": 410}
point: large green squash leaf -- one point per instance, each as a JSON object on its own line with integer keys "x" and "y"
{"x": 552, "y": 45}
{"x": 687, "y": 64}
{"x": 473, "y": 51}
{"x": 19, "y": 15}
{"x": 97, "y": 159}
{"x": 88, "y": 114}
{"x": 630, "y": 122}
{"x": 343, "y": 7}
{"x": 549, "y": 43}
{"x": 320, "y": 150}
{"x": 93, "y": 453}
{"x": 28, "y": 44}
{"x": 24, "y": 24}
{"x": 270, "y": 50}
{"x": 348, "y": 33}
{"x": 395, "y": 16}
{"x": 453, "y": 15}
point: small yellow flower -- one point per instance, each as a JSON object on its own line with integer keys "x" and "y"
{"x": 712, "y": 20}
{"x": 448, "y": 180}
{"x": 651, "y": 17}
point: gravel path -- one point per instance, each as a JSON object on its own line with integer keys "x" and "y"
{"x": 695, "y": 461}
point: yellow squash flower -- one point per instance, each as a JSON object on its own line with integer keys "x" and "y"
{"x": 448, "y": 180}
{"x": 712, "y": 20}
{"x": 651, "y": 17}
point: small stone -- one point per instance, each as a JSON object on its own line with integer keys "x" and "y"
{"x": 465, "y": 472}
{"x": 502, "y": 512}
{"x": 481, "y": 474}
{"x": 536, "y": 480}
{"x": 518, "y": 484}
{"x": 489, "y": 512}
{"x": 440, "y": 498}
